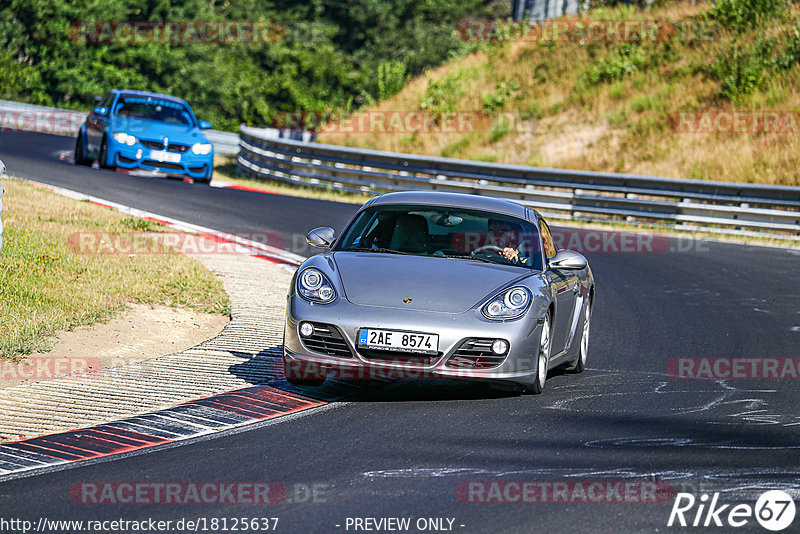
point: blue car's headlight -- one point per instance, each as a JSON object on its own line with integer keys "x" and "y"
{"x": 124, "y": 138}
{"x": 509, "y": 304}
{"x": 202, "y": 149}
{"x": 314, "y": 286}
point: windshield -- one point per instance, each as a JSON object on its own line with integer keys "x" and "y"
{"x": 155, "y": 110}
{"x": 445, "y": 232}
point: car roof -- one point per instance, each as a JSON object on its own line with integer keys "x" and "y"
{"x": 146, "y": 94}
{"x": 455, "y": 200}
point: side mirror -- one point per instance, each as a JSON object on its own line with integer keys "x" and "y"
{"x": 98, "y": 98}
{"x": 568, "y": 259}
{"x": 321, "y": 237}
{"x": 100, "y": 110}
{"x": 205, "y": 125}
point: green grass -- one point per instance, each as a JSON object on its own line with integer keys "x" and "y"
{"x": 47, "y": 285}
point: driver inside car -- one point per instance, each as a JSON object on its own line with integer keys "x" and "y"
{"x": 505, "y": 236}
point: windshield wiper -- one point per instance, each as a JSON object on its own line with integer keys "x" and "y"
{"x": 464, "y": 257}
{"x": 369, "y": 249}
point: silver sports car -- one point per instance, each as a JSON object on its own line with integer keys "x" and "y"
{"x": 438, "y": 285}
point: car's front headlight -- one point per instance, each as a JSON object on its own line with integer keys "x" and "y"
{"x": 201, "y": 149}
{"x": 314, "y": 286}
{"x": 509, "y": 304}
{"x": 125, "y": 138}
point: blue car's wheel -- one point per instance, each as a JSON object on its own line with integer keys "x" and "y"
{"x": 80, "y": 153}
{"x": 103, "y": 160}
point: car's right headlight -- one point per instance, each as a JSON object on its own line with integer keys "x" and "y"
{"x": 314, "y": 286}
{"x": 202, "y": 149}
{"x": 508, "y": 304}
{"x": 124, "y": 138}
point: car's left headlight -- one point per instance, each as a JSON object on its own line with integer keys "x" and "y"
{"x": 509, "y": 304}
{"x": 201, "y": 149}
{"x": 124, "y": 138}
{"x": 314, "y": 286}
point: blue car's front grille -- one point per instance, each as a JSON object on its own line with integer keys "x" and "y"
{"x": 155, "y": 145}
{"x": 177, "y": 148}
{"x": 159, "y": 145}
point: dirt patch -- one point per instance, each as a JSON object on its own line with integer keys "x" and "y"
{"x": 141, "y": 333}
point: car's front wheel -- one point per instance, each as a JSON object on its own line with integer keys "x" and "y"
{"x": 583, "y": 353}
{"x": 80, "y": 153}
{"x": 543, "y": 358}
{"x": 103, "y": 159}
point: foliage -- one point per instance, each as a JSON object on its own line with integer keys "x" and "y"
{"x": 332, "y": 54}
{"x": 616, "y": 66}
{"x": 742, "y": 14}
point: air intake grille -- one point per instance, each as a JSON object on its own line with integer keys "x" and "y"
{"x": 162, "y": 165}
{"x": 159, "y": 145}
{"x": 475, "y": 354}
{"x": 327, "y": 339}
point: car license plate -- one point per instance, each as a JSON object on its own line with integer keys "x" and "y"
{"x": 398, "y": 341}
{"x": 164, "y": 156}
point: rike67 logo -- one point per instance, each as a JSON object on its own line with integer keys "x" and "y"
{"x": 774, "y": 510}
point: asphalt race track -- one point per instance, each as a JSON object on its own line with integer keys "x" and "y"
{"x": 408, "y": 449}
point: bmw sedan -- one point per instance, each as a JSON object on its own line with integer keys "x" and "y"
{"x": 439, "y": 285}
{"x": 150, "y": 131}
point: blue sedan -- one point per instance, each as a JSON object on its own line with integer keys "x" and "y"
{"x": 150, "y": 131}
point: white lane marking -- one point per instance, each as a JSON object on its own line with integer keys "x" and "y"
{"x": 253, "y": 246}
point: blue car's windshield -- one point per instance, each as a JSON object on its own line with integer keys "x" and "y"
{"x": 154, "y": 109}
{"x": 445, "y": 232}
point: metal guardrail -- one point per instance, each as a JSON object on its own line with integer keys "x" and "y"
{"x": 718, "y": 207}
{"x": 58, "y": 121}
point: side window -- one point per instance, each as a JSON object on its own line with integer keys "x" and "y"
{"x": 547, "y": 241}
{"x": 106, "y": 102}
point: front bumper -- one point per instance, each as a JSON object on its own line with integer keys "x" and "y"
{"x": 518, "y": 367}
{"x": 137, "y": 156}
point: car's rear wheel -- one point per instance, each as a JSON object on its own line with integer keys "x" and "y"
{"x": 543, "y": 358}
{"x": 80, "y": 153}
{"x": 103, "y": 160}
{"x": 298, "y": 374}
{"x": 583, "y": 352}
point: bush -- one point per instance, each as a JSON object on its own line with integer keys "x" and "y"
{"x": 742, "y": 71}
{"x": 742, "y": 14}
{"x": 441, "y": 96}
{"x": 617, "y": 66}
{"x": 498, "y": 100}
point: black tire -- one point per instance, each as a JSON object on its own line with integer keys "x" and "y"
{"x": 104, "y": 156}
{"x": 579, "y": 365}
{"x": 80, "y": 153}
{"x": 543, "y": 357}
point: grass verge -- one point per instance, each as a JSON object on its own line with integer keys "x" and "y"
{"x": 45, "y": 287}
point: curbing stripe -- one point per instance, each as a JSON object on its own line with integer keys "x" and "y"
{"x": 185, "y": 421}
{"x": 188, "y": 420}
